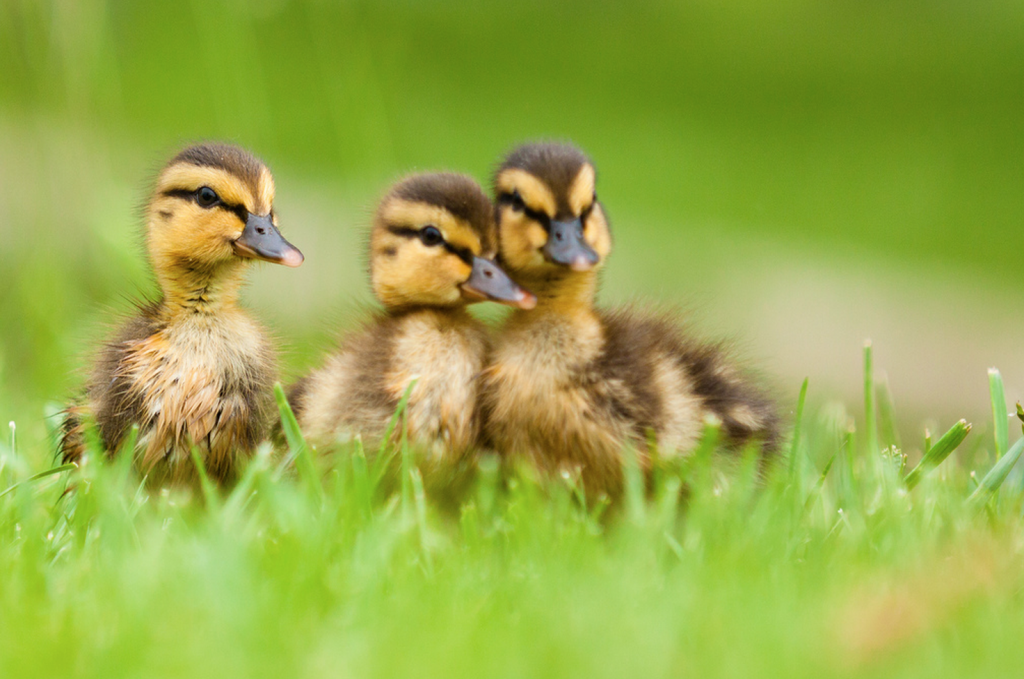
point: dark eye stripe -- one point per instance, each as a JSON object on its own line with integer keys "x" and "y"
{"x": 536, "y": 215}
{"x": 240, "y": 211}
{"x": 465, "y": 254}
{"x": 587, "y": 211}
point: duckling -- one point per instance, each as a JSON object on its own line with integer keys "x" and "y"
{"x": 570, "y": 387}
{"x": 431, "y": 248}
{"x": 192, "y": 368}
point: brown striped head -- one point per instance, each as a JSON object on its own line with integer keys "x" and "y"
{"x": 214, "y": 204}
{"x": 433, "y": 244}
{"x": 549, "y": 219}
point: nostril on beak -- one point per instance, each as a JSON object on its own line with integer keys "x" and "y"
{"x": 489, "y": 274}
{"x": 261, "y": 231}
{"x": 559, "y": 236}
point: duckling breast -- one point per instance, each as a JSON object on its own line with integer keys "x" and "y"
{"x": 445, "y": 356}
{"x": 200, "y": 383}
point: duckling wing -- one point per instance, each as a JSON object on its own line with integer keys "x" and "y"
{"x": 349, "y": 392}
{"x": 675, "y": 381}
{"x": 109, "y": 399}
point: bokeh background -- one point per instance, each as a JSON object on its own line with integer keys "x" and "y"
{"x": 798, "y": 175}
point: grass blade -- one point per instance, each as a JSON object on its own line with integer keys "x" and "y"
{"x": 797, "y": 422}
{"x": 995, "y": 477}
{"x": 819, "y": 484}
{"x": 399, "y": 413}
{"x": 297, "y": 445}
{"x": 887, "y": 414}
{"x": 41, "y": 475}
{"x": 870, "y": 426}
{"x": 126, "y": 454}
{"x": 939, "y": 451}
{"x": 407, "y": 468}
{"x": 1000, "y": 418}
{"x": 634, "y": 485}
{"x": 209, "y": 490}
{"x": 420, "y": 497}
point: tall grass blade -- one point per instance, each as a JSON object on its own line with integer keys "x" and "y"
{"x": 870, "y": 426}
{"x": 1000, "y": 418}
{"x": 849, "y": 451}
{"x": 208, "y": 488}
{"x": 362, "y": 482}
{"x": 242, "y": 493}
{"x": 406, "y": 470}
{"x": 420, "y": 497}
{"x": 887, "y": 414}
{"x": 794, "y": 446}
{"x": 126, "y": 454}
{"x": 35, "y": 477}
{"x": 403, "y": 403}
{"x": 633, "y": 479}
{"x": 939, "y": 451}
{"x": 297, "y": 445}
{"x": 819, "y": 484}
{"x": 995, "y": 477}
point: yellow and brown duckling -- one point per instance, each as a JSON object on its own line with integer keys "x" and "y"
{"x": 193, "y": 369}
{"x": 431, "y": 249}
{"x": 569, "y": 386}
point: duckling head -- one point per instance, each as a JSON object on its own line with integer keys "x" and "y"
{"x": 213, "y": 209}
{"x": 433, "y": 244}
{"x": 549, "y": 219}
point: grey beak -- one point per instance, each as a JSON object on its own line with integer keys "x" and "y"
{"x": 566, "y": 246}
{"x": 261, "y": 240}
{"x": 489, "y": 281}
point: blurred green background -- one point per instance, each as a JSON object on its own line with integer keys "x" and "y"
{"x": 798, "y": 175}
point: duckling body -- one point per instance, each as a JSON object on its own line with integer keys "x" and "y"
{"x": 359, "y": 387}
{"x": 432, "y": 239}
{"x": 192, "y": 369}
{"x": 570, "y": 387}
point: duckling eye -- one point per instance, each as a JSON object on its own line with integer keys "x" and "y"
{"x": 207, "y": 197}
{"x": 518, "y": 204}
{"x": 431, "y": 235}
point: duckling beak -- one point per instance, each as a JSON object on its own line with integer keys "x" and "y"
{"x": 567, "y": 247}
{"x": 261, "y": 240}
{"x": 488, "y": 281}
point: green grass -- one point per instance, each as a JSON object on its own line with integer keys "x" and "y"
{"x": 310, "y": 572}
{"x": 734, "y": 140}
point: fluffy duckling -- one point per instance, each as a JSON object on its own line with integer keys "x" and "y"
{"x": 431, "y": 249}
{"x": 569, "y": 386}
{"x": 193, "y": 369}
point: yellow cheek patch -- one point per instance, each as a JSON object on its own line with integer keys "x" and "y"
{"x": 597, "y": 233}
{"x": 581, "y": 191}
{"x": 534, "y": 192}
{"x": 460, "y": 235}
{"x": 521, "y": 240}
{"x": 191, "y": 233}
{"x": 414, "y": 215}
{"x": 231, "y": 190}
{"x": 415, "y": 276}
{"x": 265, "y": 193}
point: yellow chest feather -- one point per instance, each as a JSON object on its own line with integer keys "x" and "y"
{"x": 189, "y": 377}
{"x": 539, "y": 401}
{"x": 446, "y": 363}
